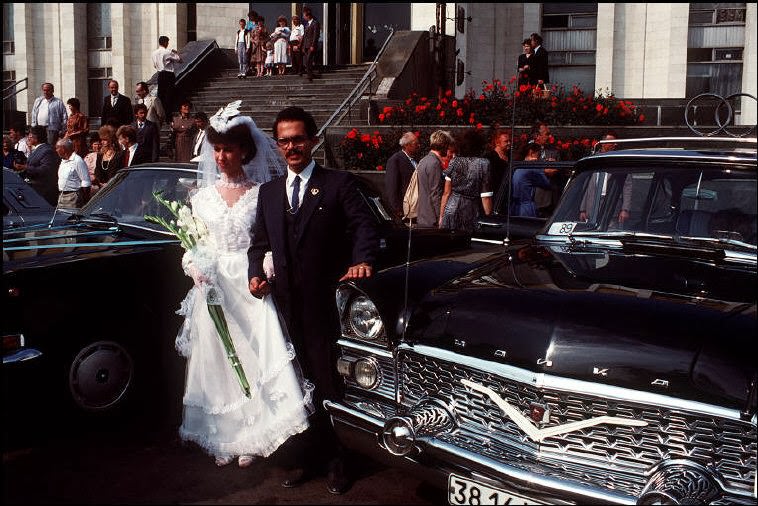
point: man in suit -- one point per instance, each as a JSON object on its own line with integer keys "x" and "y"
{"x": 538, "y": 65}
{"x": 147, "y": 132}
{"x": 430, "y": 181}
{"x": 155, "y": 111}
{"x": 134, "y": 153}
{"x": 400, "y": 167}
{"x": 201, "y": 124}
{"x": 41, "y": 168}
{"x": 310, "y": 41}
{"x": 320, "y": 231}
{"x": 117, "y": 108}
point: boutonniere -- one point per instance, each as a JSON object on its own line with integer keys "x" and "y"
{"x": 314, "y": 191}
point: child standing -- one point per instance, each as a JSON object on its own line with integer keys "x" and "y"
{"x": 269, "y": 70}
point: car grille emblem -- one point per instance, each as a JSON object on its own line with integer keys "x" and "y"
{"x": 539, "y": 413}
{"x": 538, "y": 435}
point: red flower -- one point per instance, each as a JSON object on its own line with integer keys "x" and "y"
{"x": 605, "y": 111}
{"x": 442, "y": 114}
{"x": 366, "y": 138}
{"x": 359, "y": 155}
{"x": 387, "y": 109}
{"x": 455, "y": 103}
{"x": 512, "y": 79}
{"x": 479, "y": 126}
{"x": 517, "y": 94}
{"x": 423, "y": 99}
{"x": 481, "y": 97}
{"x": 523, "y": 88}
{"x": 459, "y": 113}
{"x": 379, "y": 167}
{"x": 439, "y": 107}
{"x": 471, "y": 121}
{"x": 408, "y": 101}
{"x": 599, "y": 107}
{"x": 381, "y": 118}
{"x": 448, "y": 93}
{"x": 641, "y": 118}
{"x": 551, "y": 139}
{"x": 352, "y": 134}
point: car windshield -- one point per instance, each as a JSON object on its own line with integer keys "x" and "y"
{"x": 712, "y": 203}
{"x": 129, "y": 196}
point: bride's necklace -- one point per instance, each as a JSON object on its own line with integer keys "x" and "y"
{"x": 240, "y": 181}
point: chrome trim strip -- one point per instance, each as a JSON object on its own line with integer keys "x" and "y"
{"x": 382, "y": 352}
{"x": 60, "y": 236}
{"x": 542, "y": 380}
{"x": 490, "y": 241}
{"x": 21, "y": 356}
{"x": 88, "y": 245}
{"x": 550, "y": 486}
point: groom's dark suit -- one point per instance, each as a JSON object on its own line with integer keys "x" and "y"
{"x": 332, "y": 230}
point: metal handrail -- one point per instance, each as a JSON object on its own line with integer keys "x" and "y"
{"x": 14, "y": 84}
{"x": 354, "y": 95}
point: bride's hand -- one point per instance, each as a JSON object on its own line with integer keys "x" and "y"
{"x": 259, "y": 288}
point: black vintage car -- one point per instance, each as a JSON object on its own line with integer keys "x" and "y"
{"x": 608, "y": 359}
{"x": 89, "y": 305}
{"x": 22, "y": 205}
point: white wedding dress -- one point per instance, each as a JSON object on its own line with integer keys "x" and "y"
{"x": 217, "y": 414}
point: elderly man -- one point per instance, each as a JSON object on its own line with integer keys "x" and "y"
{"x": 73, "y": 176}
{"x": 400, "y": 167}
{"x": 50, "y": 112}
{"x": 117, "y": 108}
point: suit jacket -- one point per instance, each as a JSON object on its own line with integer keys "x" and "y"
{"x": 430, "y": 186}
{"x": 538, "y": 68}
{"x": 312, "y": 34}
{"x": 398, "y": 175}
{"x": 42, "y": 172}
{"x": 335, "y": 229}
{"x": 141, "y": 155}
{"x": 121, "y": 114}
{"x": 148, "y": 137}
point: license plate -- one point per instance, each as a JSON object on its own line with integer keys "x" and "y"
{"x": 461, "y": 490}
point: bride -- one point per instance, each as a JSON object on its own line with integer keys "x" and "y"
{"x": 236, "y": 159}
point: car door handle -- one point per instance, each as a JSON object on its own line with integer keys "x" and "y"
{"x": 489, "y": 224}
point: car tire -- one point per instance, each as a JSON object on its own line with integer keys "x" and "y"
{"x": 101, "y": 376}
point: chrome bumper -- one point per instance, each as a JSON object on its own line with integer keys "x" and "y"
{"x": 434, "y": 460}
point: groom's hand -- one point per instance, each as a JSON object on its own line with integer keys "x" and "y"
{"x": 259, "y": 287}
{"x": 361, "y": 270}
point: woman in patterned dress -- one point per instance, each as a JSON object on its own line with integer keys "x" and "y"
{"x": 77, "y": 127}
{"x": 467, "y": 183}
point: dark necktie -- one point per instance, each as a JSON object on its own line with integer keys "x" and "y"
{"x": 126, "y": 158}
{"x": 140, "y": 125}
{"x": 296, "y": 194}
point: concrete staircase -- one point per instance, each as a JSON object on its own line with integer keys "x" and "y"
{"x": 263, "y": 97}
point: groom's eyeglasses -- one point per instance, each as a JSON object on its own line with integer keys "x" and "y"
{"x": 297, "y": 140}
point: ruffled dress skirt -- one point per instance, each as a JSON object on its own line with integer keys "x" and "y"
{"x": 217, "y": 414}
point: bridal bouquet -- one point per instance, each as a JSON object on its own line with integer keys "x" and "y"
{"x": 192, "y": 233}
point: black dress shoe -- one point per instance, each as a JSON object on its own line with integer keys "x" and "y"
{"x": 295, "y": 477}
{"x": 337, "y": 480}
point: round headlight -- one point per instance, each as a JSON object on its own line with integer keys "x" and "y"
{"x": 364, "y": 318}
{"x": 366, "y": 373}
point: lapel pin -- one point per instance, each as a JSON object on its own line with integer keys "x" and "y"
{"x": 314, "y": 191}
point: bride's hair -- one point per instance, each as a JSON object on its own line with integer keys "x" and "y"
{"x": 239, "y": 135}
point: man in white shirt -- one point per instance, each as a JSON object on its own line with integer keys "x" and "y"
{"x": 50, "y": 112}
{"x": 17, "y": 134}
{"x": 73, "y": 177}
{"x": 163, "y": 61}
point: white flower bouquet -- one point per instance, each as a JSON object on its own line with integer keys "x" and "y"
{"x": 192, "y": 233}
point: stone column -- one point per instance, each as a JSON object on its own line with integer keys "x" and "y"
{"x": 605, "y": 45}
{"x": 749, "y": 73}
{"x": 356, "y": 44}
{"x": 24, "y": 62}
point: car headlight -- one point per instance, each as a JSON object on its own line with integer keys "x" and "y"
{"x": 366, "y": 373}
{"x": 364, "y": 318}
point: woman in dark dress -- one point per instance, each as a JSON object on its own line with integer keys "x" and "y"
{"x": 110, "y": 159}
{"x": 183, "y": 133}
{"x": 523, "y": 62}
{"x": 467, "y": 184}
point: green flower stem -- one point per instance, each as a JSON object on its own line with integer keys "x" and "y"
{"x": 217, "y": 315}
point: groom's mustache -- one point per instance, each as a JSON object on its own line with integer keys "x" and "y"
{"x": 294, "y": 151}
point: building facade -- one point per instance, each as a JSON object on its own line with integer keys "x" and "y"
{"x": 642, "y": 50}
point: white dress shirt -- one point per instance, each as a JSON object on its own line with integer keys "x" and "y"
{"x": 164, "y": 58}
{"x": 199, "y": 138}
{"x": 132, "y": 150}
{"x": 305, "y": 175}
{"x": 73, "y": 174}
{"x": 43, "y": 112}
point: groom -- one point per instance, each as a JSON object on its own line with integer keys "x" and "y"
{"x": 320, "y": 231}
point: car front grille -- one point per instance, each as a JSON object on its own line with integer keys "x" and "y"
{"x": 609, "y": 456}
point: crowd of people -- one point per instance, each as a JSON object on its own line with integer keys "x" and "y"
{"x": 263, "y": 52}
{"x": 454, "y": 184}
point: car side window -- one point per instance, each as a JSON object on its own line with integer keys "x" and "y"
{"x": 662, "y": 210}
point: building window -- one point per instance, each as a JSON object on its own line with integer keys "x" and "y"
{"x": 99, "y": 53}
{"x": 378, "y": 19}
{"x": 715, "y": 46}
{"x": 569, "y": 32}
{"x": 191, "y": 22}
{"x": 9, "y": 46}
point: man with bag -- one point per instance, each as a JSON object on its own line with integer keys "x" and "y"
{"x": 430, "y": 183}
{"x": 400, "y": 167}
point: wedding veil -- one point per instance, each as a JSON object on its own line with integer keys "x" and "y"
{"x": 264, "y": 166}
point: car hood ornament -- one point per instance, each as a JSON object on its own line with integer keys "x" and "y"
{"x": 538, "y": 435}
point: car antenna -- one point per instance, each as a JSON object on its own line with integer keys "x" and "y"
{"x": 507, "y": 239}
{"x": 407, "y": 277}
